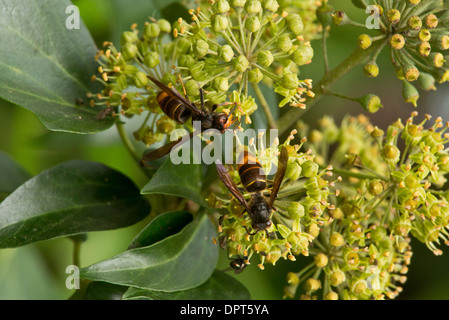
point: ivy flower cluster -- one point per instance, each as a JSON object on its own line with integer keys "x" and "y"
{"x": 365, "y": 252}
{"x": 416, "y": 32}
{"x": 299, "y": 211}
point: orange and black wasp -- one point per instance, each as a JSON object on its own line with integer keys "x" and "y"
{"x": 254, "y": 181}
{"x": 180, "y": 109}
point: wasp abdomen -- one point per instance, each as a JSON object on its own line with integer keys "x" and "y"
{"x": 173, "y": 108}
{"x": 251, "y": 173}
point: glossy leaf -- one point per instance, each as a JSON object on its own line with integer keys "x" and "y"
{"x": 219, "y": 286}
{"x": 182, "y": 180}
{"x": 161, "y": 227}
{"x": 11, "y": 173}
{"x": 98, "y": 290}
{"x": 71, "y": 198}
{"x": 47, "y": 65}
{"x": 182, "y": 261}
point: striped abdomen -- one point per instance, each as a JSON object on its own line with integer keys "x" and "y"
{"x": 251, "y": 173}
{"x": 173, "y": 108}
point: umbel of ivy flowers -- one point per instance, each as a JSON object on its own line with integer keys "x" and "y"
{"x": 416, "y": 32}
{"x": 386, "y": 197}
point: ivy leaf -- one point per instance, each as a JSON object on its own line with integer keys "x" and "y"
{"x": 46, "y": 67}
{"x": 71, "y": 198}
{"x": 179, "y": 262}
{"x": 219, "y": 286}
{"x": 161, "y": 227}
{"x": 181, "y": 180}
{"x": 11, "y": 173}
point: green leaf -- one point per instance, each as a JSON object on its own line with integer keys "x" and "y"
{"x": 161, "y": 227}
{"x": 11, "y": 173}
{"x": 179, "y": 262}
{"x": 46, "y": 67}
{"x": 181, "y": 180}
{"x": 98, "y": 290}
{"x": 71, "y": 198}
{"x": 219, "y": 286}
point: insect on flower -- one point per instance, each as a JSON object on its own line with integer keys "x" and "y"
{"x": 180, "y": 109}
{"x": 255, "y": 182}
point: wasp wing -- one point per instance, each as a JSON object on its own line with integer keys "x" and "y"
{"x": 173, "y": 92}
{"x": 162, "y": 151}
{"x": 279, "y": 176}
{"x": 229, "y": 183}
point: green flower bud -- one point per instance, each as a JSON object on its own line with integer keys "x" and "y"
{"x": 424, "y": 49}
{"x": 192, "y": 88}
{"x": 409, "y": 93}
{"x": 302, "y": 55}
{"x": 221, "y": 6}
{"x": 253, "y": 6}
{"x": 164, "y": 25}
{"x": 265, "y": 58}
{"x": 312, "y": 285}
{"x": 431, "y": 21}
{"x": 371, "y": 103}
{"x": 424, "y": 35}
{"x": 321, "y": 260}
{"x": 292, "y": 278}
{"x": 252, "y": 24}
{"x": 225, "y": 53}
{"x": 295, "y": 23}
{"x": 255, "y": 75}
{"x": 442, "y": 75}
{"x": 323, "y": 14}
{"x": 149, "y": 137}
{"x": 290, "y": 81}
{"x": 377, "y": 133}
{"x": 186, "y": 60}
{"x": 437, "y": 59}
{"x": 426, "y": 81}
{"x": 271, "y": 5}
{"x": 391, "y": 152}
{"x": 200, "y": 48}
{"x": 364, "y": 41}
{"x": 309, "y": 169}
{"x": 359, "y": 287}
{"x": 238, "y": 3}
{"x": 151, "y": 30}
{"x": 411, "y": 73}
{"x": 128, "y": 36}
{"x": 129, "y": 51}
{"x": 394, "y": 16}
{"x": 378, "y": 234}
{"x": 219, "y": 23}
{"x": 340, "y": 18}
{"x": 140, "y": 79}
{"x": 332, "y": 295}
{"x": 442, "y": 42}
{"x": 375, "y": 188}
{"x": 397, "y": 41}
{"x": 165, "y": 125}
{"x": 336, "y": 240}
{"x": 295, "y": 210}
{"x": 293, "y": 171}
{"x": 284, "y": 43}
{"x": 240, "y": 63}
{"x": 151, "y": 59}
{"x": 220, "y": 84}
{"x": 337, "y": 277}
{"x": 415, "y": 23}
{"x": 371, "y": 69}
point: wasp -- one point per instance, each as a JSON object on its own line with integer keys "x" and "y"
{"x": 254, "y": 181}
{"x": 180, "y": 109}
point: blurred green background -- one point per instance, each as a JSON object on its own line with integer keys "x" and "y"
{"x": 38, "y": 271}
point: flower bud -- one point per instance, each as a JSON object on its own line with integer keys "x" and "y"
{"x": 192, "y": 88}
{"x": 321, "y": 260}
{"x": 397, "y": 41}
{"x": 377, "y": 132}
{"x": 437, "y": 59}
{"x": 253, "y": 6}
{"x": 129, "y": 51}
{"x": 292, "y": 278}
{"x": 336, "y": 240}
{"x": 164, "y": 25}
{"x": 255, "y": 75}
{"x": 295, "y": 23}
{"x": 426, "y": 81}
{"x": 221, "y": 6}
{"x": 302, "y": 55}
{"x": 332, "y": 295}
{"x": 415, "y": 23}
{"x": 128, "y": 36}
{"x": 165, "y": 125}
{"x": 151, "y": 59}
{"x": 140, "y": 79}
{"x": 295, "y": 210}
{"x": 371, "y": 103}
{"x": 284, "y": 43}
{"x": 371, "y": 69}
{"x": 442, "y": 42}
{"x": 364, "y": 41}
{"x": 225, "y": 53}
{"x": 238, "y": 3}
{"x": 151, "y": 30}
{"x": 337, "y": 277}
{"x": 309, "y": 169}
{"x": 411, "y": 73}
{"x": 265, "y": 58}
{"x": 219, "y": 23}
{"x": 312, "y": 285}
{"x": 252, "y": 24}
{"x": 290, "y": 81}
{"x": 375, "y": 188}
{"x": 240, "y": 63}
{"x": 431, "y": 21}
{"x": 424, "y": 49}
{"x": 393, "y": 16}
{"x": 409, "y": 93}
{"x": 390, "y": 152}
{"x": 323, "y": 14}
{"x": 200, "y": 48}
{"x": 220, "y": 84}
{"x": 424, "y": 35}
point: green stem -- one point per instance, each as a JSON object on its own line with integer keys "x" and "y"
{"x": 265, "y": 106}
{"x": 126, "y": 141}
{"x": 359, "y": 56}
{"x": 358, "y": 175}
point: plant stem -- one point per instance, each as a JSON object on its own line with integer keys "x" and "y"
{"x": 359, "y": 56}
{"x": 126, "y": 141}
{"x": 265, "y": 106}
